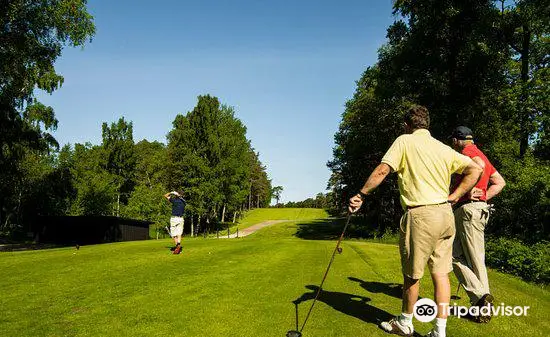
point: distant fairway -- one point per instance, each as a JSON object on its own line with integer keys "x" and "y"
{"x": 237, "y": 287}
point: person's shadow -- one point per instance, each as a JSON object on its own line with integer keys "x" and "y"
{"x": 355, "y": 305}
{"x": 390, "y": 289}
{"x": 349, "y": 304}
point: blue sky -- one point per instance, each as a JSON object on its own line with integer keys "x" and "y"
{"x": 287, "y": 67}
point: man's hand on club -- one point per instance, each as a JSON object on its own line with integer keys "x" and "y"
{"x": 355, "y": 203}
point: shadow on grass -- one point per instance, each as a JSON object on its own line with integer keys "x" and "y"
{"x": 331, "y": 228}
{"x": 349, "y": 304}
{"x": 390, "y": 289}
{"x": 354, "y": 305}
{"x": 324, "y": 229}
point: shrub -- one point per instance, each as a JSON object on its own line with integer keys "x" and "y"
{"x": 530, "y": 262}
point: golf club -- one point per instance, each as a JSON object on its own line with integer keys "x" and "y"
{"x": 298, "y": 333}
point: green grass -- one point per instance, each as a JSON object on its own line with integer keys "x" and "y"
{"x": 239, "y": 287}
{"x": 259, "y": 215}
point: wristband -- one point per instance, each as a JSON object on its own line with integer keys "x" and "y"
{"x": 362, "y": 195}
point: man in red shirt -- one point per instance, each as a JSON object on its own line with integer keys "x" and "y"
{"x": 471, "y": 216}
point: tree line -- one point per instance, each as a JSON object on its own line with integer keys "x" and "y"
{"x": 207, "y": 154}
{"x": 479, "y": 63}
{"x": 322, "y": 200}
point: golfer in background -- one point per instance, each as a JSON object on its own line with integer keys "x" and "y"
{"x": 424, "y": 167}
{"x": 176, "y": 221}
{"x": 471, "y": 216}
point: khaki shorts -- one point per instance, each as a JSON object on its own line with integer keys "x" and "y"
{"x": 176, "y": 226}
{"x": 426, "y": 236}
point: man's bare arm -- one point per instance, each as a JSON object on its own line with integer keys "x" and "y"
{"x": 471, "y": 175}
{"x": 480, "y": 162}
{"x": 497, "y": 183}
{"x": 375, "y": 179}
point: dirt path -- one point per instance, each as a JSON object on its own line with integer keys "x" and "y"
{"x": 252, "y": 229}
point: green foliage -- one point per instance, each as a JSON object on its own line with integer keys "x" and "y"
{"x": 96, "y": 189}
{"x": 323, "y": 201}
{"x": 43, "y": 188}
{"x": 118, "y": 147}
{"x": 462, "y": 60}
{"x": 150, "y": 162}
{"x": 531, "y": 263}
{"x": 193, "y": 152}
{"x": 32, "y": 36}
{"x": 260, "y": 184}
{"x": 276, "y": 193}
{"x": 525, "y": 28}
{"x": 209, "y": 157}
{"x": 148, "y": 203}
{"x": 232, "y": 173}
{"x": 523, "y": 210}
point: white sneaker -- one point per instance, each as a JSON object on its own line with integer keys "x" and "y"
{"x": 396, "y": 328}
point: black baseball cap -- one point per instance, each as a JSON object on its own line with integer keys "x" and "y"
{"x": 462, "y": 133}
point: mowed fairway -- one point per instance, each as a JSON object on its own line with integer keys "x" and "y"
{"x": 236, "y": 287}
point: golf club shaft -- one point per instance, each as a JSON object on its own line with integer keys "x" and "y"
{"x": 296, "y": 305}
{"x": 326, "y": 272}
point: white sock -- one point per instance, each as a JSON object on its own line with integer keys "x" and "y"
{"x": 440, "y": 326}
{"x": 406, "y": 319}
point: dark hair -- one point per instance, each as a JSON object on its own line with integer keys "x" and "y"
{"x": 417, "y": 117}
{"x": 180, "y": 192}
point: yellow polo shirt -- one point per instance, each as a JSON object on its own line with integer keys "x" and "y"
{"x": 424, "y": 166}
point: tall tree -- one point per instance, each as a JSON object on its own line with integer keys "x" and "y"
{"x": 193, "y": 151}
{"x": 151, "y": 158}
{"x": 95, "y": 187}
{"x": 118, "y": 145}
{"x": 232, "y": 169}
{"x": 525, "y": 27}
{"x": 210, "y": 158}
{"x": 32, "y": 36}
{"x": 148, "y": 203}
{"x": 456, "y": 58}
{"x": 260, "y": 184}
{"x": 276, "y": 193}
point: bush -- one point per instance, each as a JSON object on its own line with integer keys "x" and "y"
{"x": 523, "y": 207}
{"x": 530, "y": 262}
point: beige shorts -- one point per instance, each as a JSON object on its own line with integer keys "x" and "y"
{"x": 176, "y": 226}
{"x": 426, "y": 236}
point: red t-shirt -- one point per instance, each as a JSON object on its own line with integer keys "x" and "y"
{"x": 472, "y": 151}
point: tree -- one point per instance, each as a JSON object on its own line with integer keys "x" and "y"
{"x": 32, "y": 36}
{"x": 232, "y": 167}
{"x": 525, "y": 27}
{"x": 95, "y": 187}
{"x": 458, "y": 59}
{"x": 148, "y": 203}
{"x": 118, "y": 146}
{"x": 210, "y": 158}
{"x": 260, "y": 184}
{"x": 276, "y": 193}
{"x": 193, "y": 152}
{"x": 151, "y": 158}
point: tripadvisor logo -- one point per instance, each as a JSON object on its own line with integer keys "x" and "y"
{"x": 425, "y": 310}
{"x": 492, "y": 310}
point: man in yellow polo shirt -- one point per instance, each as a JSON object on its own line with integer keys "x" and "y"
{"x": 424, "y": 167}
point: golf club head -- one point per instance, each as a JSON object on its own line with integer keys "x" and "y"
{"x": 293, "y": 333}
